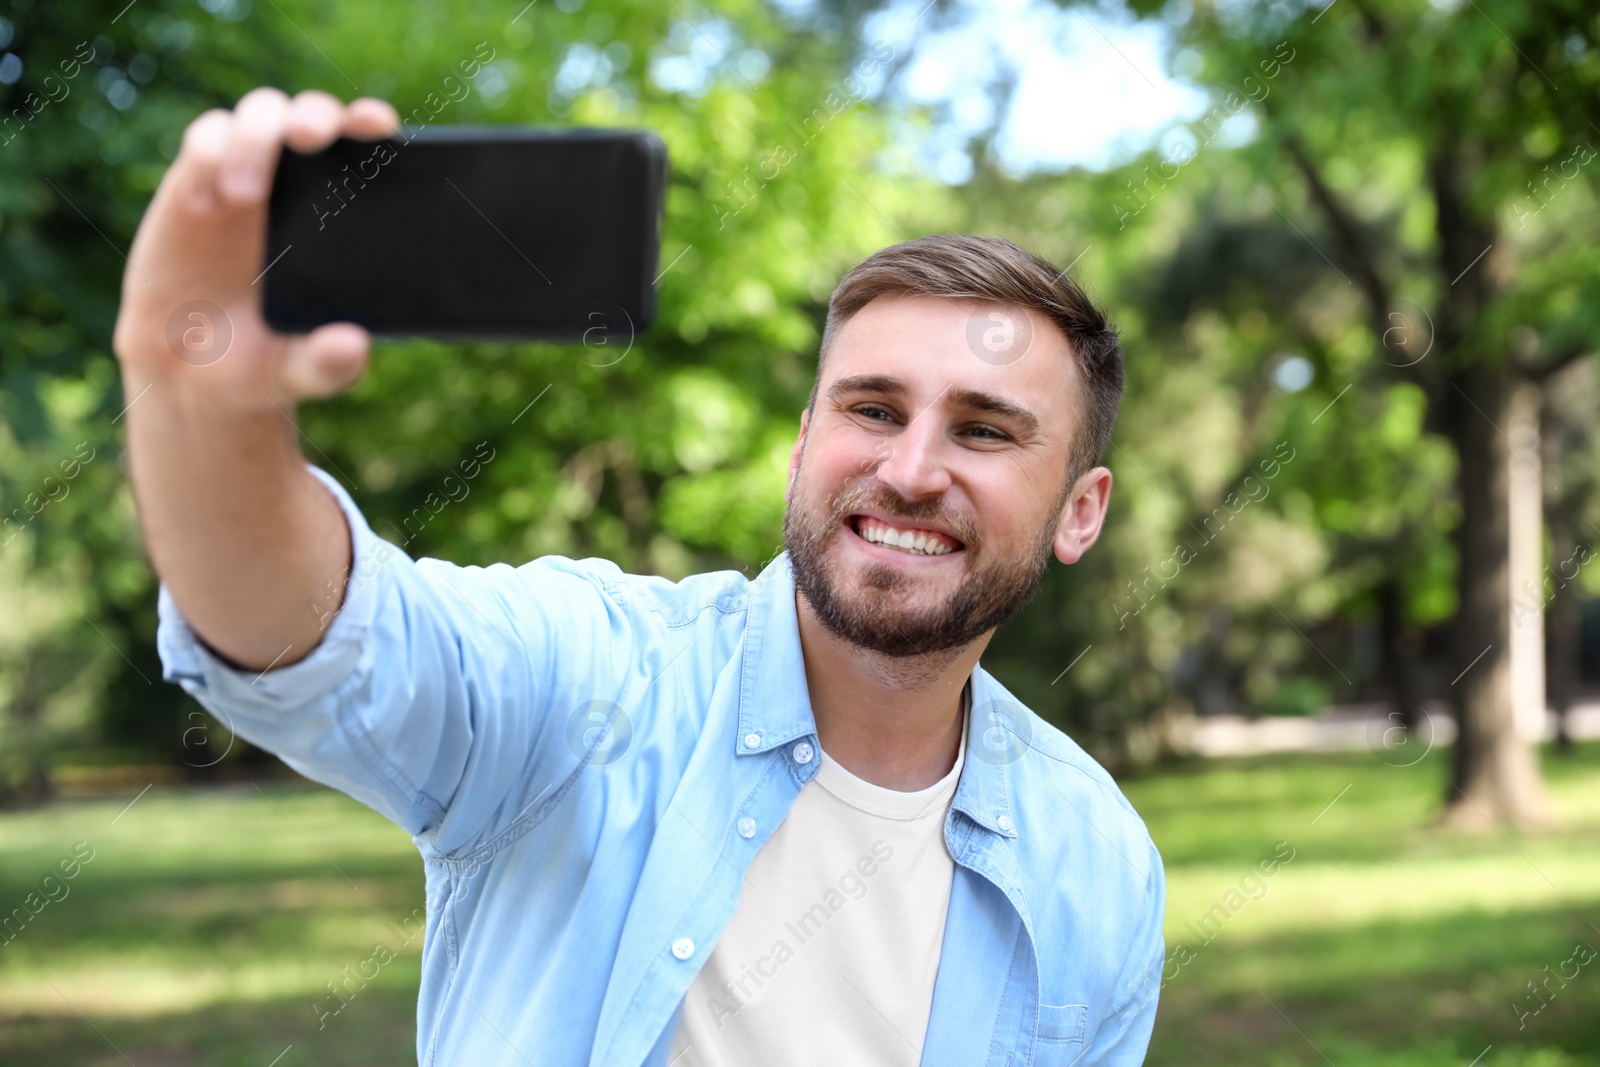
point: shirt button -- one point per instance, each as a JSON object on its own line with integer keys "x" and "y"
{"x": 752, "y": 740}
{"x": 1004, "y": 822}
{"x": 683, "y": 948}
{"x": 747, "y": 827}
{"x": 802, "y": 752}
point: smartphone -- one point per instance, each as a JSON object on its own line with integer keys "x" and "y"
{"x": 468, "y": 233}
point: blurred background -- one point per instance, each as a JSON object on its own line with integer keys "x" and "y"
{"x": 1342, "y": 621}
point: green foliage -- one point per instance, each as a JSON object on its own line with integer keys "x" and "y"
{"x": 666, "y": 451}
{"x": 1221, "y": 262}
{"x": 93, "y": 121}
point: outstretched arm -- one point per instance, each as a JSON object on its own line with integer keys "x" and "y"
{"x": 251, "y": 546}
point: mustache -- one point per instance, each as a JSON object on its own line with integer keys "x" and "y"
{"x": 931, "y": 513}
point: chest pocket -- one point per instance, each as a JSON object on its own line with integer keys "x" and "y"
{"x": 1061, "y": 1033}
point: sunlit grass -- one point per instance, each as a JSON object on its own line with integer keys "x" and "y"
{"x": 197, "y": 904}
{"x": 1385, "y": 940}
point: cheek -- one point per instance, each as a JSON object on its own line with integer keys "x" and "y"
{"x": 1004, "y": 535}
{"x": 1006, "y": 506}
{"x": 857, "y": 455}
{"x": 816, "y": 486}
{"x": 842, "y": 460}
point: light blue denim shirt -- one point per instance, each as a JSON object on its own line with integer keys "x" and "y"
{"x": 572, "y": 749}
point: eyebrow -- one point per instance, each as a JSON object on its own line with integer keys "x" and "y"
{"x": 889, "y": 385}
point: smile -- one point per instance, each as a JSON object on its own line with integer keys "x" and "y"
{"x": 911, "y": 541}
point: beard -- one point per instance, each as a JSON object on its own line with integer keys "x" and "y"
{"x": 871, "y": 611}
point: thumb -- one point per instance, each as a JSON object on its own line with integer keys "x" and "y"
{"x": 326, "y": 361}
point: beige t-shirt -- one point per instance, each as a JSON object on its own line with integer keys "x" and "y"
{"x": 831, "y": 953}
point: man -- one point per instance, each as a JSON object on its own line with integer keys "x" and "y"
{"x": 722, "y": 821}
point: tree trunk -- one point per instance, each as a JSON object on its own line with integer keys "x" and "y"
{"x": 1525, "y": 500}
{"x": 27, "y": 711}
{"x": 1564, "y": 622}
{"x": 1495, "y": 773}
{"x": 1564, "y": 433}
{"x": 1399, "y": 651}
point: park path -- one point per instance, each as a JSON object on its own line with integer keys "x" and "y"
{"x": 1347, "y": 728}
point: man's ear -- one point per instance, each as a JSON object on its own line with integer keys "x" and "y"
{"x": 797, "y": 450}
{"x": 1083, "y": 515}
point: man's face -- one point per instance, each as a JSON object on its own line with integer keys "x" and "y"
{"x": 918, "y": 431}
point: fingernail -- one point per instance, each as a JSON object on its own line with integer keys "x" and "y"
{"x": 241, "y": 183}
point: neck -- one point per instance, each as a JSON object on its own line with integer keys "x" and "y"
{"x": 894, "y": 722}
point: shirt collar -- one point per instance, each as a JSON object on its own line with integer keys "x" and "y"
{"x": 775, "y": 703}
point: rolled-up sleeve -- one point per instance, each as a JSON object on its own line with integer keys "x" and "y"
{"x": 435, "y": 687}
{"x": 188, "y": 661}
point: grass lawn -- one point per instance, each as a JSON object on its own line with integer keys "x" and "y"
{"x": 207, "y": 925}
{"x": 1382, "y": 942}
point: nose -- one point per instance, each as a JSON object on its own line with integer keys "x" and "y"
{"x": 912, "y": 461}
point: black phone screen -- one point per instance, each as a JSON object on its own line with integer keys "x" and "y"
{"x": 467, "y": 232}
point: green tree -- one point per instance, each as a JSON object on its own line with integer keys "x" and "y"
{"x": 87, "y": 123}
{"x": 1436, "y": 155}
{"x": 1243, "y": 496}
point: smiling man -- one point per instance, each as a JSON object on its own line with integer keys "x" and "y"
{"x": 720, "y": 821}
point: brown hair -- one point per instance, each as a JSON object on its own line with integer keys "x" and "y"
{"x": 992, "y": 268}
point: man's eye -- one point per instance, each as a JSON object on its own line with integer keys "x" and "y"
{"x": 867, "y": 409}
{"x": 991, "y": 433}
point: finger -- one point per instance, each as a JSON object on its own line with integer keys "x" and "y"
{"x": 368, "y": 117}
{"x": 314, "y": 118}
{"x": 194, "y": 181}
{"x": 253, "y": 144}
{"x": 327, "y": 360}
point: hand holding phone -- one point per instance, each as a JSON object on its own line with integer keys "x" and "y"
{"x": 463, "y": 232}
{"x": 190, "y": 318}
{"x": 243, "y": 536}
{"x": 285, "y": 231}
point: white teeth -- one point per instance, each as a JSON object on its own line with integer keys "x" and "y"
{"x": 905, "y": 540}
